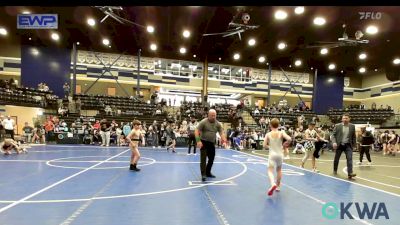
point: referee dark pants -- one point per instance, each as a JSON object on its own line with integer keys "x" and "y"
{"x": 207, "y": 151}
{"x": 10, "y": 133}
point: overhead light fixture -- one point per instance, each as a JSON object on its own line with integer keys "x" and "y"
{"x": 312, "y": 68}
{"x": 109, "y": 46}
{"x": 3, "y": 31}
{"x": 150, "y": 29}
{"x": 324, "y": 51}
{"x": 396, "y": 61}
{"x": 362, "y": 70}
{"x": 362, "y": 56}
{"x": 251, "y": 42}
{"x": 182, "y": 50}
{"x": 186, "y": 33}
{"x": 77, "y": 43}
{"x": 153, "y": 47}
{"x": 236, "y": 56}
{"x": 331, "y": 66}
{"x": 194, "y": 56}
{"x": 290, "y": 66}
{"x": 30, "y": 38}
{"x": 26, "y": 12}
{"x": 299, "y": 10}
{"x": 371, "y": 29}
{"x": 342, "y": 71}
{"x": 91, "y": 22}
{"x": 106, "y": 41}
{"x": 330, "y": 80}
{"x": 297, "y": 62}
{"x": 55, "y": 36}
{"x": 376, "y": 70}
{"x": 319, "y": 21}
{"x": 280, "y": 15}
{"x": 261, "y": 59}
{"x": 219, "y": 59}
{"x": 282, "y": 45}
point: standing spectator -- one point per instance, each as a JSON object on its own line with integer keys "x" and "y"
{"x": 367, "y": 142}
{"x": 171, "y": 137}
{"x": 126, "y": 129}
{"x": 9, "y": 125}
{"x": 344, "y": 139}
{"x": 192, "y": 138}
{"x": 67, "y": 89}
{"x": 49, "y": 128}
{"x": 105, "y": 132}
{"x": 78, "y": 105}
{"x": 27, "y": 132}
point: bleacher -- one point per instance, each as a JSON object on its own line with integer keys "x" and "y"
{"x": 196, "y": 107}
{"x": 29, "y": 97}
{"x": 361, "y": 116}
{"x": 287, "y": 118}
{"x": 126, "y": 105}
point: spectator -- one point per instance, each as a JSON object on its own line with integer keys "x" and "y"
{"x": 9, "y": 125}
{"x": 27, "y": 132}
{"x": 105, "y": 132}
{"x": 67, "y": 89}
{"x": 39, "y": 135}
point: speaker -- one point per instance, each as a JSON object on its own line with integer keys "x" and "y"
{"x": 392, "y": 73}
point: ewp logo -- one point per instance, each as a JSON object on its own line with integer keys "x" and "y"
{"x": 37, "y": 21}
{"x": 331, "y": 210}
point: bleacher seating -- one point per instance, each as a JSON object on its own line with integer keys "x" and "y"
{"x": 371, "y": 116}
{"x": 28, "y": 97}
{"x": 287, "y": 118}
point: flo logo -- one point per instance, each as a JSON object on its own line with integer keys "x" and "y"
{"x": 377, "y": 210}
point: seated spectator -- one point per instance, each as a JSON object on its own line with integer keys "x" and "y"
{"x": 39, "y": 135}
{"x": 256, "y": 112}
{"x": 27, "y": 132}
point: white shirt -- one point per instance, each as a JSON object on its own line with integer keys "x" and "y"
{"x": 8, "y": 124}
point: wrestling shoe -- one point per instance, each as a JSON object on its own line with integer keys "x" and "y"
{"x": 271, "y": 190}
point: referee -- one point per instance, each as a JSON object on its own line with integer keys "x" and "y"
{"x": 206, "y": 132}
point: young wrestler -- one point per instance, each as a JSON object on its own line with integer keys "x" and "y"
{"x": 311, "y": 136}
{"x": 273, "y": 141}
{"x": 134, "y": 137}
{"x": 9, "y": 144}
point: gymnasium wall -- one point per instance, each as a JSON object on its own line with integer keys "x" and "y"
{"x": 374, "y": 79}
{"x": 328, "y": 92}
{"x": 45, "y": 64}
{"x": 23, "y": 114}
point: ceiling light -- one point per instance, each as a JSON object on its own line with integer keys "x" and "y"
{"x": 376, "y": 70}
{"x": 282, "y": 45}
{"x": 55, "y": 36}
{"x": 324, "y": 51}
{"x": 153, "y": 47}
{"x": 3, "y": 31}
{"x": 362, "y": 56}
{"x": 186, "y": 33}
{"x": 219, "y": 59}
{"x": 77, "y": 43}
{"x": 312, "y": 68}
{"x": 280, "y": 15}
{"x": 371, "y": 29}
{"x": 362, "y": 70}
{"x": 319, "y": 21}
{"x": 252, "y": 42}
{"x": 30, "y": 38}
{"x": 182, "y": 50}
{"x": 236, "y": 56}
{"x": 299, "y": 10}
{"x": 194, "y": 56}
{"x": 150, "y": 29}
{"x": 396, "y": 61}
{"x": 332, "y": 66}
{"x": 26, "y": 12}
{"x": 290, "y": 66}
{"x": 109, "y": 46}
{"x": 106, "y": 41}
{"x": 297, "y": 62}
{"x": 261, "y": 59}
{"x": 91, "y": 22}
{"x": 330, "y": 80}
